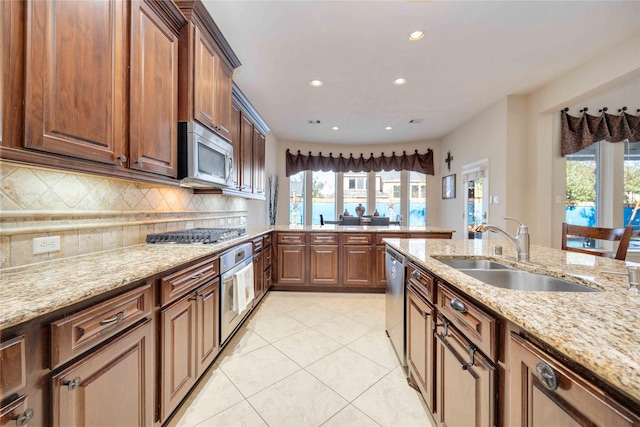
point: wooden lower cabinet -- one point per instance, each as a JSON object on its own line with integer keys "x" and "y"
{"x": 291, "y": 264}
{"x": 465, "y": 396}
{"x": 543, "y": 392}
{"x": 357, "y": 265}
{"x": 207, "y": 309}
{"x": 258, "y": 276}
{"x": 113, "y": 385}
{"x": 420, "y": 346}
{"x": 178, "y": 366}
{"x": 323, "y": 264}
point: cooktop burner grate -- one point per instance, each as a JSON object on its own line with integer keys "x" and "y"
{"x": 196, "y": 235}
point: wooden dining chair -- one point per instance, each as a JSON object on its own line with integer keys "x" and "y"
{"x": 623, "y": 235}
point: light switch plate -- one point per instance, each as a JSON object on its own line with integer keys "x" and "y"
{"x": 43, "y": 245}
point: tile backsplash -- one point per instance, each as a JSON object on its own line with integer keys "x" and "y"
{"x": 93, "y": 213}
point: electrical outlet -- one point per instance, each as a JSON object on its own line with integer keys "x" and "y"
{"x": 43, "y": 245}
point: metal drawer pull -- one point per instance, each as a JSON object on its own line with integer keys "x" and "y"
{"x": 458, "y": 305}
{"x": 117, "y": 318}
{"x": 198, "y": 276}
{"x": 547, "y": 376}
{"x": 416, "y": 274}
{"x": 24, "y": 417}
{"x": 446, "y": 327}
{"x": 472, "y": 353}
{"x": 73, "y": 384}
{"x": 425, "y": 314}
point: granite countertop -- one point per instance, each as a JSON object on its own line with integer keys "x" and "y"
{"x": 361, "y": 229}
{"x": 598, "y": 330}
{"x": 34, "y": 290}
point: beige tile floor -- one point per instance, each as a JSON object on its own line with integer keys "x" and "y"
{"x": 307, "y": 360}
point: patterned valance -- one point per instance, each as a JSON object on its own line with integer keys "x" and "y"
{"x": 412, "y": 162}
{"x": 580, "y": 132}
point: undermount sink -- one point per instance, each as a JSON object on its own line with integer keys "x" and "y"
{"x": 519, "y": 280}
{"x": 503, "y": 276}
{"x": 483, "y": 264}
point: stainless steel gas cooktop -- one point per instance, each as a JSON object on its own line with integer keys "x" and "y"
{"x": 196, "y": 235}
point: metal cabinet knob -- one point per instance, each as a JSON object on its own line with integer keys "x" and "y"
{"x": 547, "y": 375}
{"x": 24, "y": 417}
{"x": 139, "y": 162}
{"x": 416, "y": 274}
{"x": 73, "y": 384}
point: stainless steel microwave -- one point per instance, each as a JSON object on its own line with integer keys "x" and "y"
{"x": 204, "y": 159}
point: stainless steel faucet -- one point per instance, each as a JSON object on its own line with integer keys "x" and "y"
{"x": 520, "y": 240}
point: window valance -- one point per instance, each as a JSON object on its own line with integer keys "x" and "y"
{"x": 412, "y": 162}
{"x": 580, "y": 132}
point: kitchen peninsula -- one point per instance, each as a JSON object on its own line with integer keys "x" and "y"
{"x": 569, "y": 355}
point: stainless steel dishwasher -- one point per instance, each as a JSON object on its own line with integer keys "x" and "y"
{"x": 396, "y": 267}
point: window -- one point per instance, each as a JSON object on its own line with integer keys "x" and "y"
{"x": 418, "y": 199}
{"x": 323, "y": 196}
{"x": 631, "y": 210}
{"x": 296, "y": 198}
{"x": 388, "y": 201}
{"x": 355, "y": 191}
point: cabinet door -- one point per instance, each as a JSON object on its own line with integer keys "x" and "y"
{"x": 204, "y": 90}
{"x": 258, "y": 162}
{"x": 76, "y": 78}
{"x": 466, "y": 396}
{"x": 154, "y": 92}
{"x": 543, "y": 392}
{"x": 323, "y": 264}
{"x": 381, "y": 265}
{"x": 258, "y": 276}
{"x": 224, "y": 80}
{"x": 113, "y": 384}
{"x": 420, "y": 346}
{"x": 291, "y": 264}
{"x": 357, "y": 265}
{"x": 246, "y": 144}
{"x": 178, "y": 370}
{"x": 207, "y": 309}
{"x": 235, "y": 142}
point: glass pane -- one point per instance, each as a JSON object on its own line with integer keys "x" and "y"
{"x": 388, "y": 194}
{"x": 418, "y": 199}
{"x": 296, "y": 198}
{"x": 475, "y": 207}
{"x": 323, "y": 201}
{"x": 582, "y": 180}
{"x": 355, "y": 191}
{"x": 632, "y": 189}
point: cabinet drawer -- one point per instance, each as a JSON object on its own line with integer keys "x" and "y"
{"x": 79, "y": 332}
{"x": 291, "y": 238}
{"x": 267, "y": 257}
{"x": 324, "y": 238}
{"x": 266, "y": 240}
{"x": 475, "y": 323}
{"x": 257, "y": 245}
{"x": 356, "y": 239}
{"x": 177, "y": 284}
{"x": 13, "y": 369}
{"x": 422, "y": 281}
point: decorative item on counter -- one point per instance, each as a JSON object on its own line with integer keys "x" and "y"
{"x": 634, "y": 279}
{"x": 272, "y": 189}
{"x": 346, "y": 213}
{"x": 376, "y": 213}
{"x": 360, "y": 210}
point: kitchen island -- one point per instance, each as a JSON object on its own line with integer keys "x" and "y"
{"x": 594, "y": 333}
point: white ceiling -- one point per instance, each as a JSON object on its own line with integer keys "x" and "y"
{"x": 474, "y": 53}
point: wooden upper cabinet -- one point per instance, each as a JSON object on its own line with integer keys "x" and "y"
{"x": 76, "y": 78}
{"x": 223, "y": 97}
{"x": 154, "y": 92}
{"x": 204, "y": 80}
{"x": 258, "y": 162}
{"x": 246, "y": 155}
{"x": 11, "y": 73}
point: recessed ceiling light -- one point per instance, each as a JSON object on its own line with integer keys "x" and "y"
{"x": 388, "y": 128}
{"x": 416, "y": 35}
{"x": 399, "y": 81}
{"x": 316, "y": 83}
{"x": 335, "y": 128}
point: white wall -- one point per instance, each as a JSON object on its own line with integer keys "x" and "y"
{"x": 433, "y": 182}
